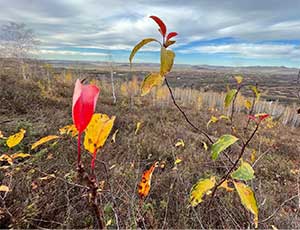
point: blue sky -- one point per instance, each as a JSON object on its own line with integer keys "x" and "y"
{"x": 231, "y": 33}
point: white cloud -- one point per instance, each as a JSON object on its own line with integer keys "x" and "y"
{"x": 65, "y": 52}
{"x": 248, "y": 50}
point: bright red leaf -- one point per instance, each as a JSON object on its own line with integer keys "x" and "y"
{"x": 171, "y": 34}
{"x": 84, "y": 104}
{"x": 261, "y": 117}
{"x": 161, "y": 24}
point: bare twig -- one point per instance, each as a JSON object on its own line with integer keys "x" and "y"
{"x": 185, "y": 116}
{"x": 276, "y": 210}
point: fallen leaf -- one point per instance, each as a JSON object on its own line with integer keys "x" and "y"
{"x": 69, "y": 129}
{"x": 50, "y": 176}
{"x": 138, "y": 126}
{"x": 177, "y": 161}
{"x": 43, "y": 140}
{"x": 15, "y": 139}
{"x": 113, "y": 139}
{"x": 179, "y": 143}
{"x": 20, "y": 155}
{"x": 4, "y": 188}
{"x": 145, "y": 184}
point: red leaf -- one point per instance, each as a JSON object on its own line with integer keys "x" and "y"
{"x": 171, "y": 34}
{"x": 263, "y": 116}
{"x": 84, "y": 104}
{"x": 161, "y": 24}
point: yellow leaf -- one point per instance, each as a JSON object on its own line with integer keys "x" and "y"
{"x": 113, "y": 139}
{"x": 97, "y": 131}
{"x": 16, "y": 138}
{"x": 138, "y": 126}
{"x": 224, "y": 117}
{"x": 205, "y": 145}
{"x": 1, "y": 135}
{"x": 179, "y": 143}
{"x": 109, "y": 222}
{"x": 177, "y": 161}
{"x": 7, "y": 158}
{"x": 213, "y": 119}
{"x": 226, "y": 186}
{"x": 248, "y": 104}
{"x": 50, "y": 176}
{"x": 4, "y": 188}
{"x": 69, "y": 129}
{"x": 238, "y": 79}
{"x": 253, "y": 156}
{"x": 20, "y": 155}
{"x": 202, "y": 187}
{"x": 248, "y": 199}
{"x": 43, "y": 140}
{"x": 140, "y": 45}
{"x": 166, "y": 60}
{"x": 150, "y": 81}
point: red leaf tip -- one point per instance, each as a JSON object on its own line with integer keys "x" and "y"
{"x": 161, "y": 24}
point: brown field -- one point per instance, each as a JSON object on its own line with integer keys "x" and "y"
{"x": 46, "y": 193}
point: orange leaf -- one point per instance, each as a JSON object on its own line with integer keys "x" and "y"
{"x": 145, "y": 184}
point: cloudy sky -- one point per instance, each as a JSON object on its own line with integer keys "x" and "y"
{"x": 215, "y": 32}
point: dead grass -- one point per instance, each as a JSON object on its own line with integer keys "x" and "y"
{"x": 38, "y": 200}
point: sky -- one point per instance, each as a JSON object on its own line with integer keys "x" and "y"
{"x": 211, "y": 32}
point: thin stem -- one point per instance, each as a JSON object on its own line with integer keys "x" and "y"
{"x": 185, "y": 116}
{"x": 78, "y": 150}
{"x": 93, "y": 161}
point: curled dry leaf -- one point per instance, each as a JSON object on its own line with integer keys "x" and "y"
{"x": 179, "y": 143}
{"x": 68, "y": 129}
{"x": 145, "y": 184}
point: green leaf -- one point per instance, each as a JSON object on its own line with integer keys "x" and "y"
{"x": 202, "y": 187}
{"x": 166, "y": 60}
{"x": 248, "y": 199}
{"x": 256, "y": 92}
{"x": 229, "y": 97}
{"x": 244, "y": 172}
{"x": 223, "y": 143}
{"x": 140, "y": 45}
{"x": 150, "y": 81}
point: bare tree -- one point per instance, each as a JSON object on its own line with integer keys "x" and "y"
{"x": 112, "y": 78}
{"x": 17, "y": 42}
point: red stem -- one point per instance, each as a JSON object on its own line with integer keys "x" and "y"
{"x": 78, "y": 150}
